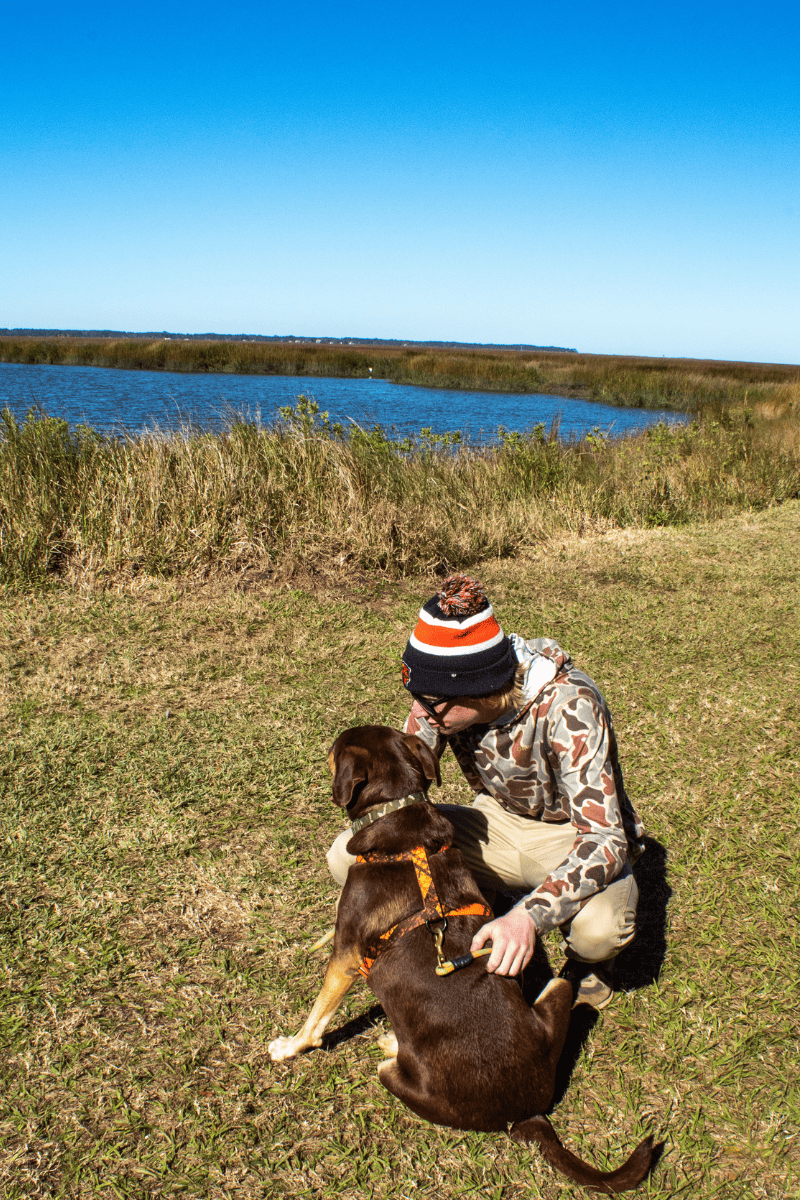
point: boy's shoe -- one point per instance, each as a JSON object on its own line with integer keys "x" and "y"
{"x": 593, "y": 983}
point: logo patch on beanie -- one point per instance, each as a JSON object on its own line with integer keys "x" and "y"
{"x": 406, "y": 674}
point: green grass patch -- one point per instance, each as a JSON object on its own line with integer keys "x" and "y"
{"x": 164, "y": 812}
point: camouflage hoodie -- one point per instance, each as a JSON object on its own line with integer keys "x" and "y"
{"x": 555, "y": 759}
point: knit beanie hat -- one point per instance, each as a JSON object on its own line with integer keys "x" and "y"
{"x": 457, "y": 647}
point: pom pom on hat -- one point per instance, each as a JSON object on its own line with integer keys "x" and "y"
{"x": 462, "y": 596}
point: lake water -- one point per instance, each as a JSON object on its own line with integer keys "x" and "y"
{"x": 113, "y": 401}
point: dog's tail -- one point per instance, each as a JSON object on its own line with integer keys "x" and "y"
{"x": 629, "y": 1175}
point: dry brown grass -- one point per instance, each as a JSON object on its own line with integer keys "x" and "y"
{"x": 305, "y": 496}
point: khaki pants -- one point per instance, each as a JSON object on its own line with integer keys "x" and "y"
{"x": 506, "y": 851}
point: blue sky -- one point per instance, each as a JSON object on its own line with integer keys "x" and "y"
{"x": 617, "y": 177}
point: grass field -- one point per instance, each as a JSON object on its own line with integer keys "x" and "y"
{"x": 164, "y": 811}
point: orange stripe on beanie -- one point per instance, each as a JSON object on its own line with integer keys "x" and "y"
{"x": 446, "y": 637}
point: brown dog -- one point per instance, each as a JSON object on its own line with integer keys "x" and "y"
{"x": 468, "y": 1052}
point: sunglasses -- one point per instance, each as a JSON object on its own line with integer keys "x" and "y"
{"x": 431, "y": 704}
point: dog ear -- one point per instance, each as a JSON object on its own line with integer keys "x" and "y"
{"x": 427, "y": 758}
{"x": 349, "y": 772}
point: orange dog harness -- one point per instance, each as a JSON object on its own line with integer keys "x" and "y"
{"x": 431, "y": 911}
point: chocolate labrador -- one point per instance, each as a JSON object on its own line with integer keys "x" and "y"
{"x": 467, "y": 1051}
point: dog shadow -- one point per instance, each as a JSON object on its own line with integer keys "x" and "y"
{"x": 365, "y": 1022}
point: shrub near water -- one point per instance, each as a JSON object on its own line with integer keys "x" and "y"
{"x": 306, "y": 492}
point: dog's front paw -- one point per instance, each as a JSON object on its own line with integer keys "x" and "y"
{"x": 283, "y": 1047}
{"x": 289, "y": 1047}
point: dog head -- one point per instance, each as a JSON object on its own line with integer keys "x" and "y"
{"x": 371, "y": 764}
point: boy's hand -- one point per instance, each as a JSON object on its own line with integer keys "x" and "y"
{"x": 513, "y": 938}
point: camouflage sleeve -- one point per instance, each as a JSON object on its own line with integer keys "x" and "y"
{"x": 579, "y": 748}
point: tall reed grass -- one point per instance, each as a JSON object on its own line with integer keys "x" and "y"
{"x": 306, "y": 493}
{"x": 680, "y": 384}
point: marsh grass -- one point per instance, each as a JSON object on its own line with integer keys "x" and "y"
{"x": 164, "y": 811}
{"x": 687, "y": 385}
{"x": 305, "y": 495}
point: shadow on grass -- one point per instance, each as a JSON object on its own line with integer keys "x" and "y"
{"x": 363, "y": 1023}
{"x": 639, "y": 964}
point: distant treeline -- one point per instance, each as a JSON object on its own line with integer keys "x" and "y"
{"x": 278, "y": 337}
{"x": 687, "y": 385}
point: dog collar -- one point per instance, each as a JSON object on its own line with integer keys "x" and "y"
{"x": 383, "y": 810}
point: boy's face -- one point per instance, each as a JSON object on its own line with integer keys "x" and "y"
{"x": 460, "y": 712}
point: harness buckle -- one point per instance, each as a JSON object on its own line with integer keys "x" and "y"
{"x": 438, "y": 937}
